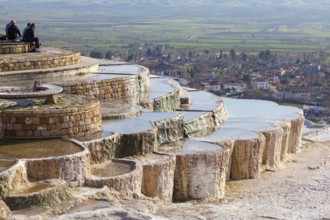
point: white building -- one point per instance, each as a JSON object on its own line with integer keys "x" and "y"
{"x": 238, "y": 87}
{"x": 297, "y": 95}
{"x": 260, "y": 84}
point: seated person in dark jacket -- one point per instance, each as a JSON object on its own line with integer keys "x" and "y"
{"x": 30, "y": 37}
{"x": 13, "y": 31}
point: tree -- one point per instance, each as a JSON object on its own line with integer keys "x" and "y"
{"x": 149, "y": 52}
{"x": 232, "y": 54}
{"x": 246, "y": 78}
{"x": 109, "y": 55}
{"x": 244, "y": 56}
{"x": 96, "y": 54}
{"x": 130, "y": 58}
{"x": 265, "y": 55}
{"x": 190, "y": 54}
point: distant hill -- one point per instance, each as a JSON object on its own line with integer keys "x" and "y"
{"x": 257, "y": 5}
{"x": 307, "y": 9}
{"x": 234, "y": 23}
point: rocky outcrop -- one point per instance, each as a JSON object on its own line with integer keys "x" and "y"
{"x": 158, "y": 176}
{"x": 53, "y": 192}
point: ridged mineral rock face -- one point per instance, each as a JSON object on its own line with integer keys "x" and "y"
{"x": 197, "y": 125}
{"x": 273, "y": 147}
{"x": 169, "y": 130}
{"x": 103, "y": 149}
{"x": 4, "y": 210}
{"x": 56, "y": 193}
{"x": 167, "y": 103}
{"x": 246, "y": 158}
{"x": 158, "y": 177}
{"x": 286, "y": 127}
{"x": 71, "y": 168}
{"x": 201, "y": 175}
{"x": 220, "y": 114}
{"x": 12, "y": 179}
{"x": 207, "y": 122}
{"x": 162, "y": 100}
{"x": 295, "y": 134}
{"x": 137, "y": 144}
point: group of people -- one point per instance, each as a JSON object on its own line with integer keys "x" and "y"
{"x": 13, "y": 34}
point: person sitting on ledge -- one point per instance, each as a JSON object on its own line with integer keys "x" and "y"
{"x": 13, "y": 31}
{"x": 30, "y": 37}
{"x": 24, "y": 30}
{"x": 7, "y": 27}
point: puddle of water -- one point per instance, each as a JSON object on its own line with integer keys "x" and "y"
{"x": 192, "y": 147}
{"x": 129, "y": 69}
{"x": 20, "y": 149}
{"x": 254, "y": 126}
{"x": 160, "y": 87}
{"x": 157, "y": 116}
{"x": 90, "y": 205}
{"x": 229, "y": 134}
{"x": 203, "y": 101}
{"x": 191, "y": 115}
{"x": 129, "y": 126}
{"x": 109, "y": 169}
{"x": 35, "y": 187}
{"x": 247, "y": 108}
{"x": 6, "y": 163}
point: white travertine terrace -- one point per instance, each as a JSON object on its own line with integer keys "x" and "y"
{"x": 171, "y": 145}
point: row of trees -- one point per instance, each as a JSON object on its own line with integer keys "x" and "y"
{"x": 158, "y": 52}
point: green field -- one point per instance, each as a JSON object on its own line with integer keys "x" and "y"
{"x": 297, "y": 26}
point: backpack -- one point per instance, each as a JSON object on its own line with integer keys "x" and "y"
{"x": 3, "y": 37}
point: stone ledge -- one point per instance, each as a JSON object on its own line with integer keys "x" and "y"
{"x": 71, "y": 168}
{"x": 48, "y": 58}
{"x": 52, "y": 120}
{"x": 52, "y": 192}
{"x": 128, "y": 184}
{"x": 14, "y": 47}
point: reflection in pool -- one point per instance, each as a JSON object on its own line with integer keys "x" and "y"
{"x": 36, "y": 148}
